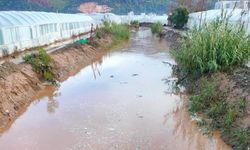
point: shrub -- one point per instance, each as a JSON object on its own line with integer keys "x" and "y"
{"x": 179, "y": 17}
{"x": 157, "y": 28}
{"x": 41, "y": 63}
{"x": 216, "y": 46}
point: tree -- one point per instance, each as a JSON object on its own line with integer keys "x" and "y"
{"x": 179, "y": 17}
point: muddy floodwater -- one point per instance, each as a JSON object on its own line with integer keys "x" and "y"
{"x": 125, "y": 101}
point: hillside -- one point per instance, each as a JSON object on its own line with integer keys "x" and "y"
{"x": 71, "y": 6}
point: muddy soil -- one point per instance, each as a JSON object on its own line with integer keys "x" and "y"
{"x": 19, "y": 83}
{"x": 235, "y": 84}
{"x": 71, "y": 59}
{"x": 173, "y": 37}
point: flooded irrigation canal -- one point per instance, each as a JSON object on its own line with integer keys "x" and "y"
{"x": 121, "y": 102}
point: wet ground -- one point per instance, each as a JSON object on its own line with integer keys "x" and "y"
{"x": 125, "y": 101}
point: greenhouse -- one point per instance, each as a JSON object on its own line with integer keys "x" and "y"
{"x": 234, "y": 17}
{"x": 23, "y": 30}
{"x": 151, "y": 18}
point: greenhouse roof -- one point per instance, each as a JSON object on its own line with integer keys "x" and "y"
{"x": 28, "y": 18}
{"x": 233, "y": 14}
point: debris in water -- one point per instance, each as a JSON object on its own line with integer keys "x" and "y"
{"x": 134, "y": 75}
{"x": 168, "y": 63}
{"x": 88, "y": 133}
{"x": 112, "y": 76}
{"x": 111, "y": 129}
{"x": 139, "y": 116}
{"x": 123, "y": 82}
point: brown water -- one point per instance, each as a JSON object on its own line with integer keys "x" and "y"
{"x": 122, "y": 102}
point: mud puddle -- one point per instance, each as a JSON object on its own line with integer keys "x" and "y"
{"x": 121, "y": 102}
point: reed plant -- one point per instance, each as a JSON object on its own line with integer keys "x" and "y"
{"x": 214, "y": 46}
{"x": 157, "y": 29}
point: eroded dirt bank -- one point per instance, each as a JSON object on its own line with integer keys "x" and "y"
{"x": 231, "y": 85}
{"x": 19, "y": 83}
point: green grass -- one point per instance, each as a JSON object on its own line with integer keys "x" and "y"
{"x": 237, "y": 137}
{"x": 157, "y": 29}
{"x": 219, "y": 113}
{"x": 216, "y": 46}
{"x": 119, "y": 32}
{"x": 41, "y": 63}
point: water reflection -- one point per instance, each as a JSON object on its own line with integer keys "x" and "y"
{"x": 96, "y": 71}
{"x": 50, "y": 93}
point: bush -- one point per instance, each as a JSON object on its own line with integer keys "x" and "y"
{"x": 41, "y": 63}
{"x": 157, "y": 28}
{"x": 216, "y": 46}
{"x": 179, "y": 17}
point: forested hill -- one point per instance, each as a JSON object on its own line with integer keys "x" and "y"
{"x": 71, "y": 6}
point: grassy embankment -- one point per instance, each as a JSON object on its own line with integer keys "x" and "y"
{"x": 43, "y": 64}
{"x": 214, "y": 48}
{"x": 118, "y": 32}
{"x": 157, "y": 29}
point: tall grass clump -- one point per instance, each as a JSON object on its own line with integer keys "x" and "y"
{"x": 215, "y": 46}
{"x": 157, "y": 28}
{"x": 119, "y": 32}
{"x": 41, "y": 63}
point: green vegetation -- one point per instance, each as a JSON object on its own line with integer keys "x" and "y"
{"x": 216, "y": 47}
{"x": 179, "y": 17}
{"x": 157, "y": 29}
{"x": 220, "y": 114}
{"x": 59, "y": 4}
{"x": 41, "y": 63}
{"x": 213, "y": 47}
{"x": 119, "y": 32}
{"x": 135, "y": 23}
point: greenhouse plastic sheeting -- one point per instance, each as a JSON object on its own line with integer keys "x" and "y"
{"x": 163, "y": 19}
{"x": 20, "y": 30}
{"x": 235, "y": 17}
